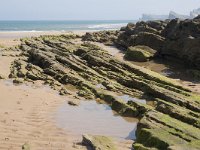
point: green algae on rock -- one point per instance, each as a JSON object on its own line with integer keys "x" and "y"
{"x": 157, "y": 130}
{"x": 98, "y": 142}
{"x": 139, "y": 53}
{"x": 173, "y": 121}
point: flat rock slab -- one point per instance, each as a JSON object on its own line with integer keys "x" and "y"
{"x": 98, "y": 142}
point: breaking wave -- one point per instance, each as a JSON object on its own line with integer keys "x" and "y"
{"x": 107, "y": 26}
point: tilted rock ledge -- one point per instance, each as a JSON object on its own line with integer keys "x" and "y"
{"x": 171, "y": 122}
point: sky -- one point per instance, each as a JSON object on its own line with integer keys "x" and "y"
{"x": 90, "y": 9}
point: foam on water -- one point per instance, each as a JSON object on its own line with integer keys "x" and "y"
{"x": 107, "y": 26}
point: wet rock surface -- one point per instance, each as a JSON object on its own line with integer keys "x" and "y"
{"x": 172, "y": 122}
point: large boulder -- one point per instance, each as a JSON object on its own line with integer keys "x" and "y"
{"x": 152, "y": 40}
{"x": 139, "y": 53}
{"x": 177, "y": 29}
{"x": 142, "y": 33}
{"x": 183, "y": 41}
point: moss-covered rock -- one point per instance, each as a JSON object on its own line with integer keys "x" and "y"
{"x": 139, "y": 53}
{"x": 160, "y": 131}
{"x": 98, "y": 142}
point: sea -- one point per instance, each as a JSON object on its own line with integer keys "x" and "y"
{"x": 34, "y": 26}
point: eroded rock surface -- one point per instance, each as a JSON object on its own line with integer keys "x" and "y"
{"x": 172, "y": 121}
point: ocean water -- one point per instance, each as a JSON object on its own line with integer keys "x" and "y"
{"x": 61, "y": 25}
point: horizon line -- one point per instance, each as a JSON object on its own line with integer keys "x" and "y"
{"x": 69, "y": 20}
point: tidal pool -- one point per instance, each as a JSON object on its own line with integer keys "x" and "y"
{"x": 97, "y": 119}
{"x": 127, "y": 98}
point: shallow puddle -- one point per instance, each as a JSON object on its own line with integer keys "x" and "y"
{"x": 127, "y": 98}
{"x": 26, "y": 85}
{"x": 90, "y": 117}
{"x": 100, "y": 86}
{"x": 97, "y": 119}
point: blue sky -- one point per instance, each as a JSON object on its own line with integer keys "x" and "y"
{"x": 90, "y": 9}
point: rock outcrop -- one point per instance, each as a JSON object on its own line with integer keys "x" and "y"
{"x": 183, "y": 41}
{"x": 175, "y": 38}
{"x": 143, "y": 33}
{"x": 106, "y": 37}
{"x": 171, "y": 122}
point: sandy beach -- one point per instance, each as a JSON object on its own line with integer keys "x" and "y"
{"x": 100, "y": 75}
{"x": 26, "y": 114}
{"x": 12, "y": 38}
{"x": 27, "y": 111}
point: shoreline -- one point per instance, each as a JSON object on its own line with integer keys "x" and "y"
{"x": 12, "y": 38}
{"x": 21, "y": 34}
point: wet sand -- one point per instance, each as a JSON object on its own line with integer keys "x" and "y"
{"x": 26, "y": 117}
